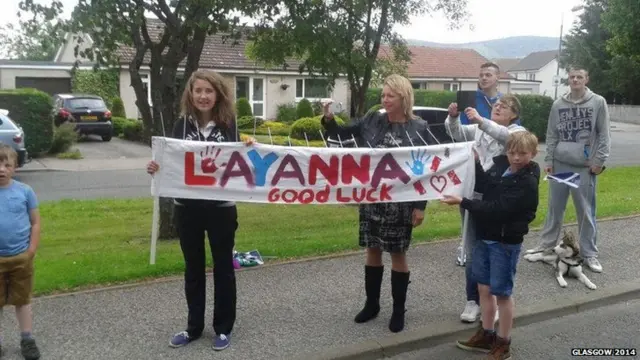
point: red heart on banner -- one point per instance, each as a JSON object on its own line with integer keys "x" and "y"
{"x": 438, "y": 183}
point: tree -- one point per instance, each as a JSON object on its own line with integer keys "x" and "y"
{"x": 161, "y": 34}
{"x": 586, "y": 46}
{"x": 621, "y": 19}
{"x": 335, "y": 37}
{"x": 36, "y": 38}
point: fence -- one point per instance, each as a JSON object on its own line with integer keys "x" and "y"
{"x": 625, "y": 113}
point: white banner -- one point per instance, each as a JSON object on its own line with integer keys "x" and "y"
{"x": 263, "y": 173}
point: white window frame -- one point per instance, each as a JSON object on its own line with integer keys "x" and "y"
{"x": 146, "y": 79}
{"x": 531, "y": 76}
{"x": 451, "y": 85}
{"x": 250, "y": 95}
{"x": 329, "y": 92}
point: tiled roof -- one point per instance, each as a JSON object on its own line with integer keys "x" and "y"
{"x": 436, "y": 62}
{"x": 535, "y": 60}
{"x": 217, "y": 53}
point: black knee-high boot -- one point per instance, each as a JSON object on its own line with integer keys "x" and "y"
{"x": 372, "y": 284}
{"x": 399, "y": 284}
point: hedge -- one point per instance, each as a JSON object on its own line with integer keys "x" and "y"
{"x": 243, "y": 108}
{"x": 104, "y": 83}
{"x": 129, "y": 129}
{"x": 304, "y": 109}
{"x": 535, "y": 108}
{"x": 31, "y": 109}
{"x": 276, "y": 128}
{"x": 248, "y": 122}
{"x": 311, "y": 126}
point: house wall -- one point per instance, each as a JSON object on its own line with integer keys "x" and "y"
{"x": 545, "y": 76}
{"x": 629, "y": 114}
{"x": 8, "y": 75}
{"x": 274, "y": 95}
{"x": 66, "y": 54}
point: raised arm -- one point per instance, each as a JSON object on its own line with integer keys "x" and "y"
{"x": 497, "y": 131}
{"x": 455, "y": 129}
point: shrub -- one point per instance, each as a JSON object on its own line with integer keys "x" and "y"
{"x": 535, "y": 114}
{"x": 243, "y": 108}
{"x": 374, "y": 108}
{"x": 317, "y": 108}
{"x": 287, "y": 113}
{"x": 132, "y": 130}
{"x": 248, "y": 122}
{"x": 311, "y": 126}
{"x": 117, "y": 109}
{"x": 103, "y": 82}
{"x": 304, "y": 109}
{"x": 277, "y": 128}
{"x": 118, "y": 125}
{"x": 63, "y": 138}
{"x": 31, "y": 109}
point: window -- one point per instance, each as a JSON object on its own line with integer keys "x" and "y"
{"x": 312, "y": 89}
{"x": 252, "y": 89}
{"x": 419, "y": 85}
{"x": 452, "y": 86}
{"x": 531, "y": 76}
{"x": 86, "y": 103}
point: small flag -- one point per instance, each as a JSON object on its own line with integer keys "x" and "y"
{"x": 568, "y": 178}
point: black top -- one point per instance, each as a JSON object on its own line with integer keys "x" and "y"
{"x": 509, "y": 203}
{"x": 371, "y": 130}
{"x": 187, "y": 129}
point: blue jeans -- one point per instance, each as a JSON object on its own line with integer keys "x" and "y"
{"x": 494, "y": 264}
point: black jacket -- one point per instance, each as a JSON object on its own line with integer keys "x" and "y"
{"x": 186, "y": 129}
{"x": 371, "y": 129}
{"x": 508, "y": 204}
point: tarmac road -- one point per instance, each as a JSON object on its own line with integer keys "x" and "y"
{"x": 614, "y": 326}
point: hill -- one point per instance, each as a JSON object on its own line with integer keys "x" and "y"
{"x": 509, "y": 47}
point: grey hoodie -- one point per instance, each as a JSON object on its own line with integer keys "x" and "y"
{"x": 578, "y": 132}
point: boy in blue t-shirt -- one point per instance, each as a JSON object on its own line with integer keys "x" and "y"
{"x": 19, "y": 238}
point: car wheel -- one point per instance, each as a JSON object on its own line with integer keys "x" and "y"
{"x": 106, "y": 138}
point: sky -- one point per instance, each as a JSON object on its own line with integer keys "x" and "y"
{"x": 502, "y": 18}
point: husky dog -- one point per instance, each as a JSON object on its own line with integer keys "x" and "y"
{"x": 566, "y": 259}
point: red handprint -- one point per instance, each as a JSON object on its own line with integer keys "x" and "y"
{"x": 208, "y": 162}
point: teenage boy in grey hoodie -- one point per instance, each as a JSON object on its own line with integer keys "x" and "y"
{"x": 578, "y": 140}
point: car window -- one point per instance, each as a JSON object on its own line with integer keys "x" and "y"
{"x": 6, "y": 124}
{"x": 85, "y": 103}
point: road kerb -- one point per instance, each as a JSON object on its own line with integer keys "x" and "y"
{"x": 449, "y": 332}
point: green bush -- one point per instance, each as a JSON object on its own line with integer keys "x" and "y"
{"x": 243, "y": 108}
{"x": 31, "y": 109}
{"x": 119, "y": 123}
{"x": 277, "y": 128}
{"x": 64, "y": 137}
{"x": 317, "y": 108}
{"x": 103, "y": 82}
{"x": 375, "y": 108}
{"x": 311, "y": 126}
{"x": 247, "y": 122}
{"x": 304, "y": 109}
{"x": 287, "y": 113}
{"x": 132, "y": 131}
{"x": 117, "y": 109}
{"x": 535, "y": 114}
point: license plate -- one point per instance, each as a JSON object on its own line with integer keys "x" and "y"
{"x": 88, "y": 118}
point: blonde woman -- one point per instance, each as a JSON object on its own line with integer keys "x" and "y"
{"x": 386, "y": 227}
{"x": 207, "y": 114}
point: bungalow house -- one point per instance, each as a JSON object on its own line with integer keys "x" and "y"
{"x": 264, "y": 88}
{"x": 452, "y": 69}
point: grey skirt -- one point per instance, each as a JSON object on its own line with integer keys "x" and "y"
{"x": 386, "y": 226}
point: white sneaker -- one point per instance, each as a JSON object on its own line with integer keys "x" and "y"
{"x": 471, "y": 312}
{"x": 594, "y": 264}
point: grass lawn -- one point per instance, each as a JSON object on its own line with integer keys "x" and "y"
{"x": 91, "y": 242}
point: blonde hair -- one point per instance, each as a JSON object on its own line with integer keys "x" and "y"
{"x": 401, "y": 86}
{"x": 522, "y": 141}
{"x": 223, "y": 112}
{"x": 8, "y": 154}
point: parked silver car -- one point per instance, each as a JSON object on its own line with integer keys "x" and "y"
{"x": 13, "y": 135}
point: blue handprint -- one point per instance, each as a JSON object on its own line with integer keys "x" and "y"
{"x": 418, "y": 162}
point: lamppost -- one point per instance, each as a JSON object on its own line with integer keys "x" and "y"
{"x": 556, "y": 79}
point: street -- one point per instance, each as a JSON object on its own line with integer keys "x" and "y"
{"x": 58, "y": 185}
{"x": 613, "y": 326}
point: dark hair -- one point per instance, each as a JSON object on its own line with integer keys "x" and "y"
{"x": 578, "y": 67}
{"x": 490, "y": 65}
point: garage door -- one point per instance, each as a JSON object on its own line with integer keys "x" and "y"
{"x": 49, "y": 85}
